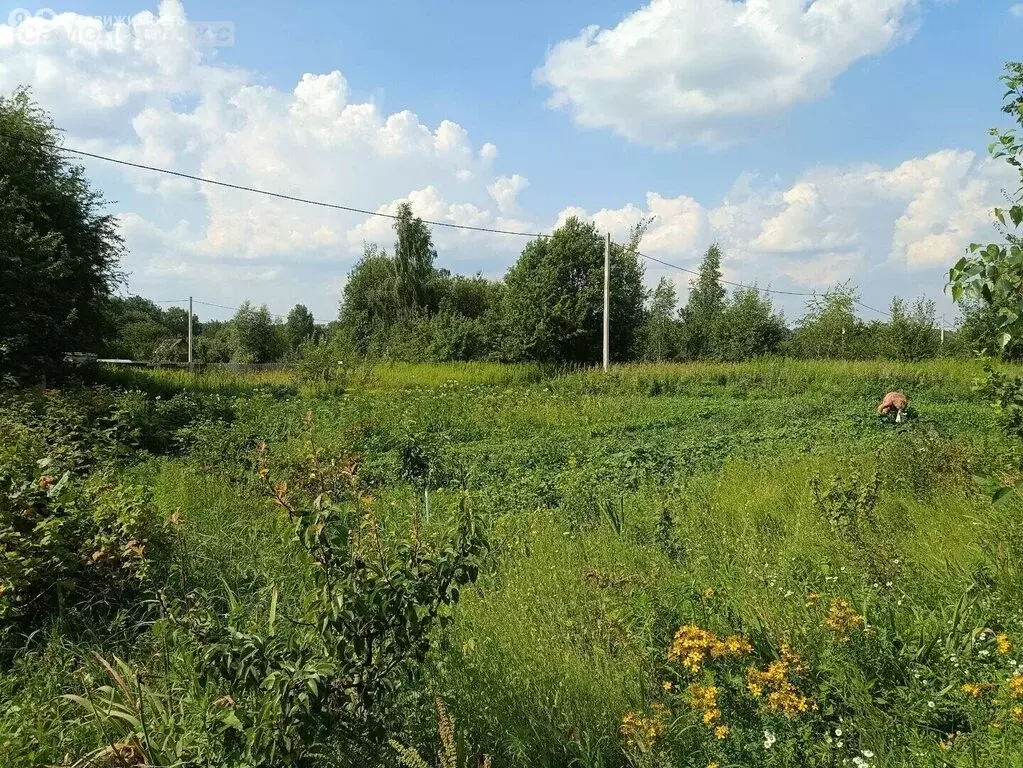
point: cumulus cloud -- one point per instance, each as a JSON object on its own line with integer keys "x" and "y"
{"x": 163, "y": 100}
{"x": 145, "y": 89}
{"x": 506, "y": 189}
{"x": 830, "y": 224}
{"x": 714, "y": 70}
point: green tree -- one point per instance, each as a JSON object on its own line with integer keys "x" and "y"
{"x": 979, "y": 330}
{"x": 299, "y": 327}
{"x": 414, "y": 255}
{"x": 175, "y": 319}
{"x": 255, "y": 338}
{"x": 830, "y": 327}
{"x": 660, "y": 339}
{"x": 472, "y": 297}
{"x": 910, "y": 333}
{"x": 368, "y": 301}
{"x": 58, "y": 251}
{"x": 993, "y": 274}
{"x": 216, "y": 343}
{"x": 139, "y": 327}
{"x": 554, "y": 297}
{"x": 704, "y": 308}
{"x": 749, "y": 327}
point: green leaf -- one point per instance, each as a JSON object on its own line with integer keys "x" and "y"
{"x": 230, "y": 720}
{"x": 1016, "y": 214}
{"x": 1001, "y": 493}
{"x": 1004, "y": 339}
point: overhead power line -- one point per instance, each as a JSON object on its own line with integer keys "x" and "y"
{"x": 366, "y": 212}
{"x": 267, "y": 192}
{"x": 753, "y": 287}
{"x": 726, "y": 282}
{"x": 235, "y": 309}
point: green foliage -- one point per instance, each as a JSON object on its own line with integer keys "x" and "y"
{"x": 367, "y": 301}
{"x": 67, "y": 542}
{"x": 255, "y": 335}
{"x": 414, "y": 255}
{"x": 702, "y": 312}
{"x": 330, "y": 361}
{"x": 830, "y": 328}
{"x": 447, "y": 754}
{"x": 748, "y": 327}
{"x": 660, "y": 336}
{"x": 621, "y": 508}
{"x": 142, "y": 329}
{"x": 59, "y": 250}
{"x": 911, "y": 334}
{"x": 373, "y": 601}
{"x": 993, "y": 274}
{"x": 554, "y": 297}
{"x": 299, "y": 328}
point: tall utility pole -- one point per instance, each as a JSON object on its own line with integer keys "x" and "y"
{"x": 190, "y": 364}
{"x": 942, "y": 330}
{"x": 607, "y": 302}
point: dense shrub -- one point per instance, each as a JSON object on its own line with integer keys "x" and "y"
{"x": 68, "y": 541}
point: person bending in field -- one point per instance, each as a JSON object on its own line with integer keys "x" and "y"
{"x": 894, "y": 402}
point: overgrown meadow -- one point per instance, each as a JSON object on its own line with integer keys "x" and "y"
{"x": 666, "y": 565}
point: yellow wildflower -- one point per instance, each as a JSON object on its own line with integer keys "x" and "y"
{"x": 782, "y": 695}
{"x": 1002, "y": 643}
{"x": 1017, "y": 714}
{"x": 708, "y": 593}
{"x": 641, "y": 731}
{"x": 721, "y": 732}
{"x": 976, "y": 690}
{"x": 667, "y": 686}
{"x": 703, "y": 696}
{"x": 842, "y": 619}
{"x": 692, "y": 646}
{"x": 1016, "y": 686}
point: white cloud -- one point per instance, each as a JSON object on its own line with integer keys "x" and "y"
{"x": 830, "y": 224}
{"x": 1017, "y": 10}
{"x": 506, "y": 189}
{"x": 171, "y": 104}
{"x": 156, "y": 97}
{"x": 713, "y": 70}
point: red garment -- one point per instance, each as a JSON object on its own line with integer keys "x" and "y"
{"x": 893, "y": 401}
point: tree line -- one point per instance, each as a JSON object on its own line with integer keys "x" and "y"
{"x": 549, "y": 308}
{"x": 59, "y": 256}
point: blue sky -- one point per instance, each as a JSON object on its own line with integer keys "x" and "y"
{"x": 820, "y": 153}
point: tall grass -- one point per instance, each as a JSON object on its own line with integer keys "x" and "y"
{"x": 379, "y": 376}
{"x": 768, "y": 375}
{"x": 621, "y": 506}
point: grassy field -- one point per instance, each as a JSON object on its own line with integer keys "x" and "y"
{"x": 685, "y": 565}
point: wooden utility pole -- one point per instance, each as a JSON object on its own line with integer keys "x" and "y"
{"x": 607, "y": 302}
{"x": 942, "y": 330}
{"x": 190, "y": 364}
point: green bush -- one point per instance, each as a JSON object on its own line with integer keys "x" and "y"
{"x": 68, "y": 541}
